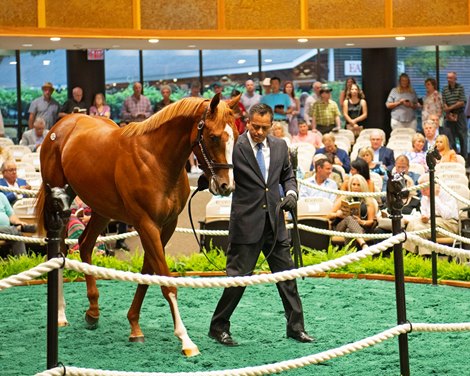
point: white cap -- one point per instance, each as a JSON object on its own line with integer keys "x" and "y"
{"x": 266, "y": 82}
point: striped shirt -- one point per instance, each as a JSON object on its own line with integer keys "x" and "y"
{"x": 451, "y": 96}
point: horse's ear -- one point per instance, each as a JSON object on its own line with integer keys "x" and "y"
{"x": 215, "y": 102}
{"x": 389, "y": 174}
{"x": 233, "y": 104}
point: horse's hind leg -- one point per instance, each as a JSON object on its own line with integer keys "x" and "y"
{"x": 87, "y": 242}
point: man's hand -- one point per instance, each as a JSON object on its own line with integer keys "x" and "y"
{"x": 289, "y": 203}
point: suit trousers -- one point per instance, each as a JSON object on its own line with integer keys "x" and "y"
{"x": 241, "y": 260}
{"x": 458, "y": 131}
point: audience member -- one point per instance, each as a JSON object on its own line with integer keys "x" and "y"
{"x": 305, "y": 135}
{"x": 453, "y": 97}
{"x": 354, "y": 110}
{"x": 402, "y": 166}
{"x": 250, "y": 96}
{"x": 359, "y": 167}
{"x": 218, "y": 89}
{"x": 343, "y": 95}
{"x": 278, "y": 131}
{"x": 33, "y": 138}
{"x": 311, "y": 99}
{"x": 165, "y": 90}
{"x": 195, "y": 90}
{"x": 325, "y": 113}
{"x": 442, "y": 146}
{"x": 432, "y": 101}
{"x": 11, "y": 179}
{"x": 279, "y": 102}
{"x": 367, "y": 215}
{"x": 381, "y": 153}
{"x": 334, "y": 154}
{"x": 295, "y": 106}
{"x": 100, "y": 108}
{"x": 45, "y": 107}
{"x": 10, "y": 224}
{"x": 136, "y": 107}
{"x": 266, "y": 86}
{"x": 76, "y": 104}
{"x": 323, "y": 170}
{"x": 402, "y": 101}
{"x": 418, "y": 153}
{"x": 447, "y": 215}
{"x": 367, "y": 154}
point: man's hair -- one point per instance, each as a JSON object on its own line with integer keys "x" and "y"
{"x": 321, "y": 162}
{"x": 275, "y": 78}
{"x": 431, "y": 122}
{"x": 39, "y": 120}
{"x": 404, "y": 157}
{"x": 167, "y": 87}
{"x": 8, "y": 161}
{"x": 260, "y": 109}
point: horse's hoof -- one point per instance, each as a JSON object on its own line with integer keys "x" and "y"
{"x": 92, "y": 322}
{"x": 190, "y": 352}
{"x": 140, "y": 339}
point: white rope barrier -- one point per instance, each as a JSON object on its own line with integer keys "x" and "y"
{"x": 439, "y": 248}
{"x": 451, "y": 192}
{"x": 279, "y": 366}
{"x": 31, "y": 274}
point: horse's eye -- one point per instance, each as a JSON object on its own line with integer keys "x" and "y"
{"x": 215, "y": 139}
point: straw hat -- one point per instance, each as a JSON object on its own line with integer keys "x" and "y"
{"x": 266, "y": 82}
{"x": 48, "y": 85}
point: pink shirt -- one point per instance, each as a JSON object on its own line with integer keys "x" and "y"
{"x": 313, "y": 138}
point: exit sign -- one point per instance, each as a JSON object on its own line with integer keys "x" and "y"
{"x": 95, "y": 54}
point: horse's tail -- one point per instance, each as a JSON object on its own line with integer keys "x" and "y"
{"x": 39, "y": 209}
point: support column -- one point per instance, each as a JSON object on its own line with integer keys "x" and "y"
{"x": 379, "y": 76}
{"x": 88, "y": 74}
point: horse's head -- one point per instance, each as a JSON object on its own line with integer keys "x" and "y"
{"x": 216, "y": 136}
{"x": 57, "y": 208}
{"x": 397, "y": 193}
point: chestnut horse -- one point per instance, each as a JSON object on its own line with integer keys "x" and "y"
{"x": 137, "y": 175}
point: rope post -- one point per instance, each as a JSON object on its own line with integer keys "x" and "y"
{"x": 396, "y": 193}
{"x": 431, "y": 156}
{"x": 56, "y": 213}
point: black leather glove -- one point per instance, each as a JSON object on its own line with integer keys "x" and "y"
{"x": 289, "y": 203}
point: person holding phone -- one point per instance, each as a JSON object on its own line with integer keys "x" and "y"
{"x": 279, "y": 102}
{"x": 403, "y": 101}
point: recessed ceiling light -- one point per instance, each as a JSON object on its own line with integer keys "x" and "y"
{"x": 250, "y": 73}
{"x": 46, "y": 62}
{"x": 241, "y": 61}
{"x": 400, "y": 38}
{"x": 302, "y": 40}
{"x": 154, "y": 40}
{"x": 26, "y": 45}
{"x": 175, "y": 80}
{"x": 191, "y": 46}
{"x": 268, "y": 60}
{"x": 12, "y": 62}
{"x": 349, "y": 44}
{"x": 55, "y": 39}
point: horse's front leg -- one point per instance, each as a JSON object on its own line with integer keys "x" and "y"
{"x": 87, "y": 241}
{"x": 154, "y": 260}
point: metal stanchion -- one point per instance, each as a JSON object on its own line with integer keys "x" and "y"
{"x": 396, "y": 194}
{"x": 56, "y": 214}
{"x": 431, "y": 157}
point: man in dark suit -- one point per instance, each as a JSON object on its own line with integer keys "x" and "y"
{"x": 261, "y": 164}
{"x": 382, "y": 154}
{"x": 431, "y": 130}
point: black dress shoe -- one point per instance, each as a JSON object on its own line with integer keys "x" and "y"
{"x": 300, "y": 336}
{"x": 223, "y": 337}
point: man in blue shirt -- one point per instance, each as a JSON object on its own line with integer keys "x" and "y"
{"x": 279, "y": 102}
{"x": 10, "y": 224}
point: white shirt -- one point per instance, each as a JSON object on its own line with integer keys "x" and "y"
{"x": 446, "y": 206}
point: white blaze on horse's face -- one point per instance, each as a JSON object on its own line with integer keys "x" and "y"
{"x": 229, "y": 153}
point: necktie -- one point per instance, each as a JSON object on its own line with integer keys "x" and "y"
{"x": 260, "y": 160}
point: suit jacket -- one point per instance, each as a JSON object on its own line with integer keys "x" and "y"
{"x": 11, "y": 195}
{"x": 29, "y": 139}
{"x": 253, "y": 197}
{"x": 387, "y": 158}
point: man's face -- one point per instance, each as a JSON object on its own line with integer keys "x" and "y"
{"x": 259, "y": 127}
{"x": 250, "y": 86}
{"x": 275, "y": 85}
{"x": 316, "y": 88}
{"x": 325, "y": 171}
{"x": 39, "y": 129}
{"x": 303, "y": 129}
{"x": 165, "y": 93}
{"x": 137, "y": 89}
{"x": 77, "y": 94}
{"x": 325, "y": 96}
{"x": 451, "y": 79}
{"x": 47, "y": 92}
{"x": 401, "y": 166}
{"x": 376, "y": 141}
{"x": 429, "y": 130}
{"x": 9, "y": 173}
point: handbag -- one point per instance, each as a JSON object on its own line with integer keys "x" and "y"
{"x": 451, "y": 116}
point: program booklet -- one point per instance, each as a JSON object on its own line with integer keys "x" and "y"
{"x": 351, "y": 208}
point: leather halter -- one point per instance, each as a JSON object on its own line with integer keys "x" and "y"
{"x": 211, "y": 165}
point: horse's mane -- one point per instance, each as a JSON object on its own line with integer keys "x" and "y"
{"x": 183, "y": 108}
